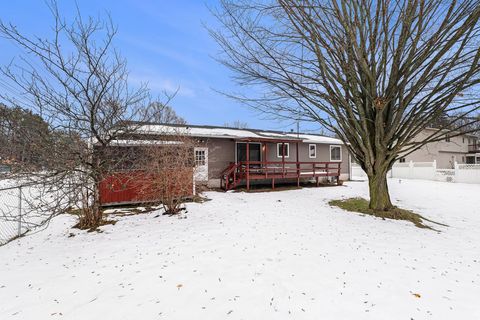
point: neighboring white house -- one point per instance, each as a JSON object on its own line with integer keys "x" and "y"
{"x": 461, "y": 149}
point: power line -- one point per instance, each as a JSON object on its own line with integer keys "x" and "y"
{"x": 16, "y": 95}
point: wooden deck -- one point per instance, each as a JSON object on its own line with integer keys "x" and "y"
{"x": 245, "y": 172}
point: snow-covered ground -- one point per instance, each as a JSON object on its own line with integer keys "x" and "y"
{"x": 272, "y": 255}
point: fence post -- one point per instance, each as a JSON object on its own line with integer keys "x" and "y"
{"x": 456, "y": 168}
{"x": 20, "y": 211}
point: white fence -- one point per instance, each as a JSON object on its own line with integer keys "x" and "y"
{"x": 357, "y": 173}
{"x": 463, "y": 173}
{"x": 414, "y": 170}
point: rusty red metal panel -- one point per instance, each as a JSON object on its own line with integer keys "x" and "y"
{"x": 137, "y": 187}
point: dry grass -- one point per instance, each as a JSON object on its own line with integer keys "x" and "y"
{"x": 103, "y": 222}
{"x": 361, "y": 205}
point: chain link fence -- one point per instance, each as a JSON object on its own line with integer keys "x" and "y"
{"x": 16, "y": 214}
{"x": 10, "y": 214}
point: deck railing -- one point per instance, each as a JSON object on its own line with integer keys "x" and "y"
{"x": 246, "y": 171}
{"x": 474, "y": 148}
{"x": 288, "y": 168}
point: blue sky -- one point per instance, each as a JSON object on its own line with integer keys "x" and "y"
{"x": 165, "y": 44}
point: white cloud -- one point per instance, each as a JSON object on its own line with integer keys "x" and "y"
{"x": 160, "y": 84}
{"x": 164, "y": 51}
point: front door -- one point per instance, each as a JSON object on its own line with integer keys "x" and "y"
{"x": 201, "y": 164}
{"x": 254, "y": 152}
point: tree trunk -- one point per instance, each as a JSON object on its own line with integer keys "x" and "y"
{"x": 379, "y": 196}
{"x": 96, "y": 211}
{"x": 95, "y": 205}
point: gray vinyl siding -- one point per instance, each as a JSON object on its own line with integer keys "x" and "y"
{"x": 323, "y": 154}
{"x": 221, "y": 152}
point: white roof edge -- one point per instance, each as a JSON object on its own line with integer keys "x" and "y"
{"x": 234, "y": 133}
{"x": 126, "y": 143}
{"x": 323, "y": 142}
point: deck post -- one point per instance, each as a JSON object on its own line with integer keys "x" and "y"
{"x": 338, "y": 172}
{"x": 298, "y": 167}
{"x": 265, "y": 159}
{"x": 235, "y": 174}
{"x": 283, "y": 159}
{"x": 248, "y": 165}
{"x": 327, "y": 171}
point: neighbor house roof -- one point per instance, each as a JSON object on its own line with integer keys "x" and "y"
{"x": 468, "y": 135}
{"x": 233, "y": 133}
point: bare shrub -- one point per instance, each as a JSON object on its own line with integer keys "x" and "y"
{"x": 168, "y": 169}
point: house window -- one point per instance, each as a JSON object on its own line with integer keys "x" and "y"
{"x": 254, "y": 151}
{"x": 335, "y": 153}
{"x": 447, "y": 138}
{"x": 280, "y": 150}
{"x": 312, "y": 150}
{"x": 199, "y": 158}
{"x": 401, "y": 160}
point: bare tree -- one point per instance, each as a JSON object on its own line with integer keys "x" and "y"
{"x": 78, "y": 83}
{"x": 471, "y": 124}
{"x": 376, "y": 73}
{"x": 161, "y": 112}
{"x": 236, "y": 124}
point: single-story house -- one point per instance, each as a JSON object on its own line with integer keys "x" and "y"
{"x": 257, "y": 155}
{"x": 229, "y": 157}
